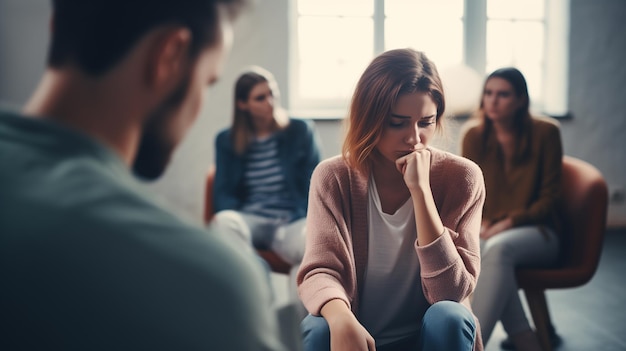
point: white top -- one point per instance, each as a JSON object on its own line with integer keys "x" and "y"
{"x": 392, "y": 302}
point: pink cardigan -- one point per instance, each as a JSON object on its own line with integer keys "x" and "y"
{"x": 335, "y": 259}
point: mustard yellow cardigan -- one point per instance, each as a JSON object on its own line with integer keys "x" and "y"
{"x": 529, "y": 192}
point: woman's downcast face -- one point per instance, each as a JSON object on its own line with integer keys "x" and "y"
{"x": 409, "y": 127}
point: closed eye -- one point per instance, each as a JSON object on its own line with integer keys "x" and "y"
{"x": 396, "y": 123}
{"x": 427, "y": 121}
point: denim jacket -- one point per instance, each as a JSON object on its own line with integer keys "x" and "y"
{"x": 299, "y": 153}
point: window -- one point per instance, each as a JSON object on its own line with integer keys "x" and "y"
{"x": 335, "y": 39}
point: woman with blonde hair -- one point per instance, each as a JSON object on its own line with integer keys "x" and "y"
{"x": 392, "y": 252}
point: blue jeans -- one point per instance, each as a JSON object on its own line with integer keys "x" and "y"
{"x": 446, "y": 325}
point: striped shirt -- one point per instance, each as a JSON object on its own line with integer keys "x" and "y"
{"x": 264, "y": 180}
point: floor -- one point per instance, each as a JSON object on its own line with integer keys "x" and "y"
{"x": 592, "y": 317}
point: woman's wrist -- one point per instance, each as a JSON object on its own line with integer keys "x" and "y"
{"x": 335, "y": 310}
{"x": 420, "y": 190}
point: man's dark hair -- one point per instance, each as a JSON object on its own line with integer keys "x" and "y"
{"x": 97, "y": 34}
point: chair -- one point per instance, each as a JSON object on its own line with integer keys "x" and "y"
{"x": 276, "y": 263}
{"x": 583, "y": 212}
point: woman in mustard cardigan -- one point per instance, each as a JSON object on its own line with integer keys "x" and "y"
{"x": 392, "y": 248}
{"x": 521, "y": 158}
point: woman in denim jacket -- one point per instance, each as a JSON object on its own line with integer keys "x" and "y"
{"x": 264, "y": 163}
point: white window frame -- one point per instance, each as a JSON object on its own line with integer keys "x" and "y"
{"x": 556, "y": 53}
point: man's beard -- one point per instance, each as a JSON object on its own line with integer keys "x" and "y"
{"x": 156, "y": 145}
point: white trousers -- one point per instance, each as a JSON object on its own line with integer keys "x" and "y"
{"x": 251, "y": 231}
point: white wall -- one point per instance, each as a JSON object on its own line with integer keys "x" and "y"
{"x": 597, "y": 93}
{"x": 23, "y": 46}
{"x": 596, "y": 133}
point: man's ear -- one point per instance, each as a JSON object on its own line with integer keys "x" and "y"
{"x": 168, "y": 57}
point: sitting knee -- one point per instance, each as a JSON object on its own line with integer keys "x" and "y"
{"x": 231, "y": 225}
{"x": 496, "y": 253}
{"x": 227, "y": 217}
{"x": 449, "y": 316}
{"x": 229, "y": 220}
{"x": 315, "y": 333}
{"x": 448, "y": 325}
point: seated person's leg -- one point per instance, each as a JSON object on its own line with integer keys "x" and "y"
{"x": 245, "y": 230}
{"x": 496, "y": 290}
{"x": 230, "y": 225}
{"x": 409, "y": 343}
{"x": 448, "y": 325}
{"x": 289, "y": 241}
{"x": 315, "y": 333}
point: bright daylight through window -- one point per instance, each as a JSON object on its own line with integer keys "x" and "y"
{"x": 333, "y": 41}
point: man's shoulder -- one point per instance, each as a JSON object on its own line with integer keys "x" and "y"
{"x": 144, "y": 255}
{"x": 89, "y": 210}
{"x": 125, "y": 205}
{"x": 72, "y": 194}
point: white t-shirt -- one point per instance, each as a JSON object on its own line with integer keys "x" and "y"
{"x": 392, "y": 303}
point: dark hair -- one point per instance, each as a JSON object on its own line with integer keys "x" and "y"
{"x": 96, "y": 34}
{"x": 242, "y": 130}
{"x": 390, "y": 75}
{"x": 518, "y": 82}
{"x": 522, "y": 117}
